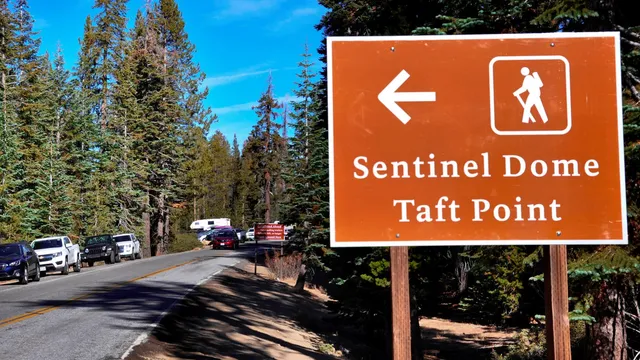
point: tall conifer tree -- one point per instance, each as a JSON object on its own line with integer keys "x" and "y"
{"x": 266, "y": 144}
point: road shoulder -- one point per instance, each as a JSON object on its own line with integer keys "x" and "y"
{"x": 239, "y": 315}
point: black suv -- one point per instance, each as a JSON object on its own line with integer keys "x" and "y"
{"x": 19, "y": 261}
{"x": 100, "y": 248}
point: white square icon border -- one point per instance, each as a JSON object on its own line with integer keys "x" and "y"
{"x": 525, "y": 132}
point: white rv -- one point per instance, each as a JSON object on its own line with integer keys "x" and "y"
{"x": 207, "y": 224}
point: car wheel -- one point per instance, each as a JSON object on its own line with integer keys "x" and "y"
{"x": 65, "y": 269}
{"x": 36, "y": 277}
{"x": 112, "y": 258}
{"x": 118, "y": 259}
{"x": 24, "y": 276}
{"x": 90, "y": 263}
{"x": 78, "y": 266}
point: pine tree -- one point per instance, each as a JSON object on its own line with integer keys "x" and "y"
{"x": 297, "y": 161}
{"x": 192, "y": 119}
{"x": 266, "y": 144}
{"x": 32, "y": 114}
{"x": 125, "y": 130}
{"x": 57, "y": 188}
{"x": 81, "y": 139}
{"x": 219, "y": 185}
{"x": 153, "y": 130}
{"x": 10, "y": 143}
{"x": 98, "y": 195}
{"x": 109, "y": 35}
{"x": 307, "y": 205}
{"x": 252, "y": 180}
{"x": 238, "y": 187}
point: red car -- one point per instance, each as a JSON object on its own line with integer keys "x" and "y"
{"x": 224, "y": 238}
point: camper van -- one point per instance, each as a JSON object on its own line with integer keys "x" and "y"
{"x": 207, "y": 224}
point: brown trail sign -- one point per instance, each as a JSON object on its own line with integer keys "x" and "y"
{"x": 478, "y": 140}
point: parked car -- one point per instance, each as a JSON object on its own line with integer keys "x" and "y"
{"x": 101, "y": 248}
{"x": 19, "y": 261}
{"x": 202, "y": 235}
{"x": 250, "y": 234}
{"x": 242, "y": 235}
{"x": 57, "y": 253}
{"x": 225, "y": 238}
{"x": 128, "y": 246}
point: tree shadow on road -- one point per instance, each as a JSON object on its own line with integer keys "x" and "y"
{"x": 241, "y": 317}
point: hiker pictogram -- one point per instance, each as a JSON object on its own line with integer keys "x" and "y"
{"x": 531, "y": 84}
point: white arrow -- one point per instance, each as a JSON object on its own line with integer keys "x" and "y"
{"x": 389, "y": 97}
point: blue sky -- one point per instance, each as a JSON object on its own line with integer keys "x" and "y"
{"x": 238, "y": 43}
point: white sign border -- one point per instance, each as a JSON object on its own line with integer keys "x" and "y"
{"x": 388, "y": 243}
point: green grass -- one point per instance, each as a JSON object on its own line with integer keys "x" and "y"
{"x": 184, "y": 242}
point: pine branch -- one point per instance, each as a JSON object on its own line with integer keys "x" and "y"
{"x": 628, "y": 32}
{"x": 636, "y": 44}
{"x": 630, "y": 79}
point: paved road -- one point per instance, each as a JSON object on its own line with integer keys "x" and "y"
{"x": 99, "y": 312}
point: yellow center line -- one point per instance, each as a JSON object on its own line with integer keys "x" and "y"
{"x": 28, "y": 315}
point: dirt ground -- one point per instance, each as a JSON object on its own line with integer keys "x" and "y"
{"x": 238, "y": 315}
{"x": 444, "y": 339}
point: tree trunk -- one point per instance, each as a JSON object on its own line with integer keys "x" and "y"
{"x": 147, "y": 234}
{"x": 267, "y": 197}
{"x": 103, "y": 105}
{"x": 416, "y": 333}
{"x": 299, "y": 287}
{"x": 463, "y": 266}
{"x": 608, "y": 335}
{"x": 160, "y": 226}
{"x": 166, "y": 230}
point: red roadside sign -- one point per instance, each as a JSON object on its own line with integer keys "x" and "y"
{"x": 269, "y": 232}
{"x": 476, "y": 139}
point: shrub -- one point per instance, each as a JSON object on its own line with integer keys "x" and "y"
{"x": 528, "y": 345}
{"x": 283, "y": 267}
{"x": 184, "y": 242}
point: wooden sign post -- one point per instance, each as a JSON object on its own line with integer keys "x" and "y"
{"x": 401, "y": 316}
{"x": 506, "y": 139}
{"x": 556, "y": 297}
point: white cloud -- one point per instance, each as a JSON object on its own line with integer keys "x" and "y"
{"x": 236, "y": 8}
{"x": 213, "y": 81}
{"x": 305, "y": 11}
{"x": 248, "y": 106}
{"x": 295, "y": 15}
{"x": 288, "y": 98}
{"x": 233, "y": 108}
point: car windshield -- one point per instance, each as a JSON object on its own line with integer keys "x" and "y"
{"x": 122, "y": 238}
{"x": 224, "y": 233}
{"x": 250, "y": 229}
{"x": 47, "y": 244}
{"x": 9, "y": 250}
{"x": 94, "y": 240}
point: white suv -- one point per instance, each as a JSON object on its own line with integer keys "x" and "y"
{"x": 128, "y": 245}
